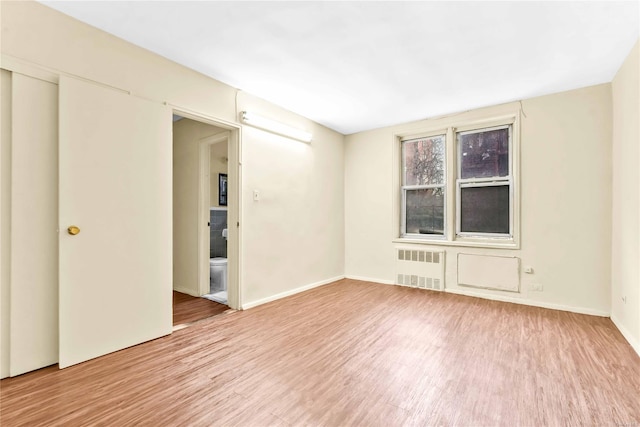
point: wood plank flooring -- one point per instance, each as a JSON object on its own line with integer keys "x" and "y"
{"x": 188, "y": 309}
{"x": 351, "y": 353}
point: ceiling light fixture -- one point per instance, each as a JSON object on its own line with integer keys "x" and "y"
{"x": 273, "y": 126}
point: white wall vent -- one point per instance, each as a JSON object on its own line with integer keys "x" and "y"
{"x": 420, "y": 269}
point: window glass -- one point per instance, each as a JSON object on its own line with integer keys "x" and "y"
{"x": 424, "y": 161}
{"x": 425, "y": 211}
{"x": 484, "y": 154}
{"x": 484, "y": 209}
{"x": 484, "y": 191}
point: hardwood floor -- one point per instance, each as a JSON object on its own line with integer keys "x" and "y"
{"x": 351, "y": 353}
{"x": 188, "y": 309}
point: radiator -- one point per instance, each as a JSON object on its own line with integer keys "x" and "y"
{"x": 420, "y": 269}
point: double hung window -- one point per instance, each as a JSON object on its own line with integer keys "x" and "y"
{"x": 458, "y": 185}
{"x": 423, "y": 186}
{"x": 484, "y": 183}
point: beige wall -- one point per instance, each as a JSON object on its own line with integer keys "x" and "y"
{"x": 297, "y": 225}
{"x": 218, "y": 163}
{"x": 37, "y": 34}
{"x": 294, "y": 236}
{"x": 292, "y": 239}
{"x": 187, "y": 135}
{"x": 625, "y": 255}
{"x": 565, "y": 185}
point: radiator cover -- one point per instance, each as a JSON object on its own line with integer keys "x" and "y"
{"x": 418, "y": 268}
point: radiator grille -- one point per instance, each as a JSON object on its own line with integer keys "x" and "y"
{"x": 420, "y": 269}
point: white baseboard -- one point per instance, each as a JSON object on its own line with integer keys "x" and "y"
{"x": 635, "y": 344}
{"x": 503, "y": 298}
{"x": 368, "y": 279}
{"x": 185, "y": 291}
{"x": 580, "y": 310}
{"x": 256, "y": 303}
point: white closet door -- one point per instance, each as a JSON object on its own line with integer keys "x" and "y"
{"x": 34, "y": 220}
{"x": 115, "y": 186}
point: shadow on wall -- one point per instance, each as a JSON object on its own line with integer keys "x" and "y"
{"x": 218, "y": 221}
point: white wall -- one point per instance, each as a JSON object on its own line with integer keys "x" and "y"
{"x": 186, "y": 183}
{"x": 297, "y": 226}
{"x": 625, "y": 255}
{"x": 565, "y": 186}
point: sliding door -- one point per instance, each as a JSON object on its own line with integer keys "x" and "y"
{"x": 33, "y": 273}
{"x": 115, "y": 207}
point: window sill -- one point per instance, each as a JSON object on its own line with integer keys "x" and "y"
{"x": 490, "y": 244}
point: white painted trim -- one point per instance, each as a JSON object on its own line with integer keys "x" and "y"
{"x": 203, "y": 203}
{"x": 198, "y": 117}
{"x": 256, "y": 303}
{"x": 204, "y": 206}
{"x": 561, "y": 307}
{"x": 521, "y": 301}
{"x": 635, "y": 344}
{"x": 235, "y": 215}
{"x": 368, "y": 279}
{"x": 234, "y": 204}
{"x": 451, "y": 237}
{"x": 185, "y": 291}
{"x": 467, "y": 243}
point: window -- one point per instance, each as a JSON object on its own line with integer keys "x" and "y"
{"x": 457, "y": 185}
{"x": 423, "y": 186}
{"x": 484, "y": 182}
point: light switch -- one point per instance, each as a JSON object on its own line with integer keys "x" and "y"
{"x": 256, "y": 195}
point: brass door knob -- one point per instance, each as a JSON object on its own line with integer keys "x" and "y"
{"x": 73, "y": 230}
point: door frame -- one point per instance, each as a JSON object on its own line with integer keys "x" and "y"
{"x": 234, "y": 206}
{"x": 204, "y": 204}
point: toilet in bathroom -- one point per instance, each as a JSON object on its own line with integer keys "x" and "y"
{"x": 218, "y": 280}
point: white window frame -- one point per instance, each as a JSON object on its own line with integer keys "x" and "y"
{"x": 496, "y": 181}
{"x": 404, "y": 188}
{"x": 452, "y": 236}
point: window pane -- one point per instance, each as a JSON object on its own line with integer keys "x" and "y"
{"x": 484, "y": 154}
{"x": 425, "y": 211}
{"x": 424, "y": 161}
{"x": 484, "y": 209}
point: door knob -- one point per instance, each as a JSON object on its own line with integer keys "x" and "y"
{"x": 73, "y": 230}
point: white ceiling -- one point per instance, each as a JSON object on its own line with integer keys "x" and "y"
{"x": 354, "y": 66}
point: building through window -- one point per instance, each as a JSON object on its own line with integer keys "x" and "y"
{"x": 460, "y": 192}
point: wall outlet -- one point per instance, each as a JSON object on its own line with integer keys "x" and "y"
{"x": 536, "y": 287}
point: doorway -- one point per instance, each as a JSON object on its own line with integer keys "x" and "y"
{"x": 108, "y": 189}
{"x": 205, "y": 203}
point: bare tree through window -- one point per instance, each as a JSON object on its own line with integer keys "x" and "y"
{"x": 424, "y": 185}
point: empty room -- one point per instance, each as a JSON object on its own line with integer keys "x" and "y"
{"x": 220, "y": 213}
